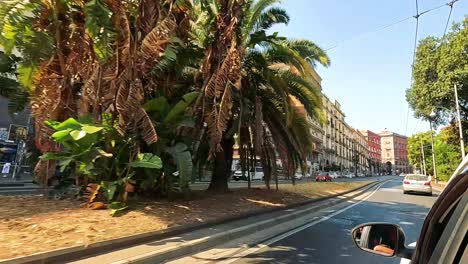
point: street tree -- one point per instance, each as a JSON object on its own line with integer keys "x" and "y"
{"x": 440, "y": 64}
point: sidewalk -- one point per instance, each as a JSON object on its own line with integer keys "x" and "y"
{"x": 161, "y": 246}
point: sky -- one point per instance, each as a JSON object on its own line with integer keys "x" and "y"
{"x": 370, "y": 69}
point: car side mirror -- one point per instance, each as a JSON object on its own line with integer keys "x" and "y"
{"x": 382, "y": 239}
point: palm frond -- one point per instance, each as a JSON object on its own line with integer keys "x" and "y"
{"x": 270, "y": 17}
{"x": 132, "y": 116}
{"x": 309, "y": 51}
{"x": 254, "y": 13}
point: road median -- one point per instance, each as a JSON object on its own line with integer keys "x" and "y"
{"x": 74, "y": 252}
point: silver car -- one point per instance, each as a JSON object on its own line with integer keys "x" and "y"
{"x": 417, "y": 183}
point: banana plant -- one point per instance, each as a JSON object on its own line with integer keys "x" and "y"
{"x": 175, "y": 144}
{"x": 100, "y": 153}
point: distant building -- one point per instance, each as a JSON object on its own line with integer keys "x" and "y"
{"x": 335, "y": 138}
{"x": 361, "y": 153}
{"x": 394, "y": 152}
{"x": 375, "y": 149}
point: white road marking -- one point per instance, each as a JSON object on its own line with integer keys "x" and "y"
{"x": 292, "y": 232}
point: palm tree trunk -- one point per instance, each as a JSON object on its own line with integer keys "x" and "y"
{"x": 222, "y": 167}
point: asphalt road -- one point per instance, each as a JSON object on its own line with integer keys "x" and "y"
{"x": 243, "y": 184}
{"x": 330, "y": 241}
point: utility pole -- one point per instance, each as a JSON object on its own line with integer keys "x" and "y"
{"x": 462, "y": 144}
{"x": 433, "y": 153}
{"x": 423, "y": 158}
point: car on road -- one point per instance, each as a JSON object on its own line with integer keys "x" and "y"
{"x": 349, "y": 175}
{"x": 323, "y": 176}
{"x": 256, "y": 174}
{"x": 299, "y": 176}
{"x": 444, "y": 234}
{"x": 402, "y": 175}
{"x": 334, "y": 175}
{"x": 417, "y": 183}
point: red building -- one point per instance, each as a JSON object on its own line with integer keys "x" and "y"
{"x": 375, "y": 149}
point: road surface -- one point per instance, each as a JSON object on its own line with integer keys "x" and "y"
{"x": 330, "y": 242}
{"x": 244, "y": 184}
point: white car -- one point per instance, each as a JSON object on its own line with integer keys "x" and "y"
{"x": 349, "y": 175}
{"x": 298, "y": 175}
{"x": 256, "y": 174}
{"x": 334, "y": 175}
{"x": 417, "y": 183}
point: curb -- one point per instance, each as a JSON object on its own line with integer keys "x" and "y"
{"x": 80, "y": 252}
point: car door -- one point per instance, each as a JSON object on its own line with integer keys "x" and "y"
{"x": 445, "y": 226}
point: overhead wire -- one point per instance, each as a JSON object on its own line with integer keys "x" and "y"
{"x": 338, "y": 44}
{"x": 414, "y": 57}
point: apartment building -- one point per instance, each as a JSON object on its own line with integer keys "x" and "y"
{"x": 394, "y": 152}
{"x": 375, "y": 150}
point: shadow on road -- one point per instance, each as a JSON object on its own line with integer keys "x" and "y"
{"x": 330, "y": 241}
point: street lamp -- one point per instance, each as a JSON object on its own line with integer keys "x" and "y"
{"x": 432, "y": 115}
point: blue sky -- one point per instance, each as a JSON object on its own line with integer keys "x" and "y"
{"x": 369, "y": 73}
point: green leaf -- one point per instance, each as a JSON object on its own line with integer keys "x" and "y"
{"x": 91, "y": 129}
{"x": 181, "y": 106}
{"x": 59, "y": 135}
{"x": 188, "y": 122}
{"x": 53, "y": 156}
{"x": 116, "y": 208}
{"x": 190, "y": 97}
{"x": 185, "y": 167}
{"x": 177, "y": 148}
{"x": 159, "y": 104}
{"x": 26, "y": 75}
{"x": 116, "y": 205}
{"x": 77, "y": 134}
{"x": 147, "y": 160}
{"x": 110, "y": 190}
{"x": 70, "y": 123}
{"x": 114, "y": 212}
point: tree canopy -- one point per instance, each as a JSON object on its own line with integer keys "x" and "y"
{"x": 440, "y": 64}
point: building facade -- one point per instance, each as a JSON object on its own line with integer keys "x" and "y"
{"x": 375, "y": 150}
{"x": 394, "y": 152}
{"x": 335, "y": 147}
{"x": 361, "y": 153}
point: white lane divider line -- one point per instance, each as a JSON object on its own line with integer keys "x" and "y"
{"x": 292, "y": 232}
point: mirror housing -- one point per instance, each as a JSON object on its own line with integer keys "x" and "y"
{"x": 383, "y": 239}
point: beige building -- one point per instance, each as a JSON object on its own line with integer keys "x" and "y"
{"x": 361, "y": 153}
{"x": 394, "y": 152}
{"x": 336, "y": 135}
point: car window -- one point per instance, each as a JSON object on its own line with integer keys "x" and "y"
{"x": 438, "y": 217}
{"x": 417, "y": 177}
{"x": 259, "y": 169}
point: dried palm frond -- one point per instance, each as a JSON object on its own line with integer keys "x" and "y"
{"x": 221, "y": 70}
{"x": 131, "y": 114}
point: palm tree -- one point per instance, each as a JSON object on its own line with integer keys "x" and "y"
{"x": 88, "y": 57}
{"x": 252, "y": 76}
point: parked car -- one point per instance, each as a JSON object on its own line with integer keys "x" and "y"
{"x": 402, "y": 175}
{"x": 334, "y": 175}
{"x": 299, "y": 176}
{"x": 443, "y": 237}
{"x": 349, "y": 175}
{"x": 323, "y": 176}
{"x": 255, "y": 174}
{"x": 417, "y": 183}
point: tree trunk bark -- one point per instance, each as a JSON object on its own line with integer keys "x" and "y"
{"x": 222, "y": 168}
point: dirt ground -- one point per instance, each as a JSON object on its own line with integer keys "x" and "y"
{"x": 33, "y": 224}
